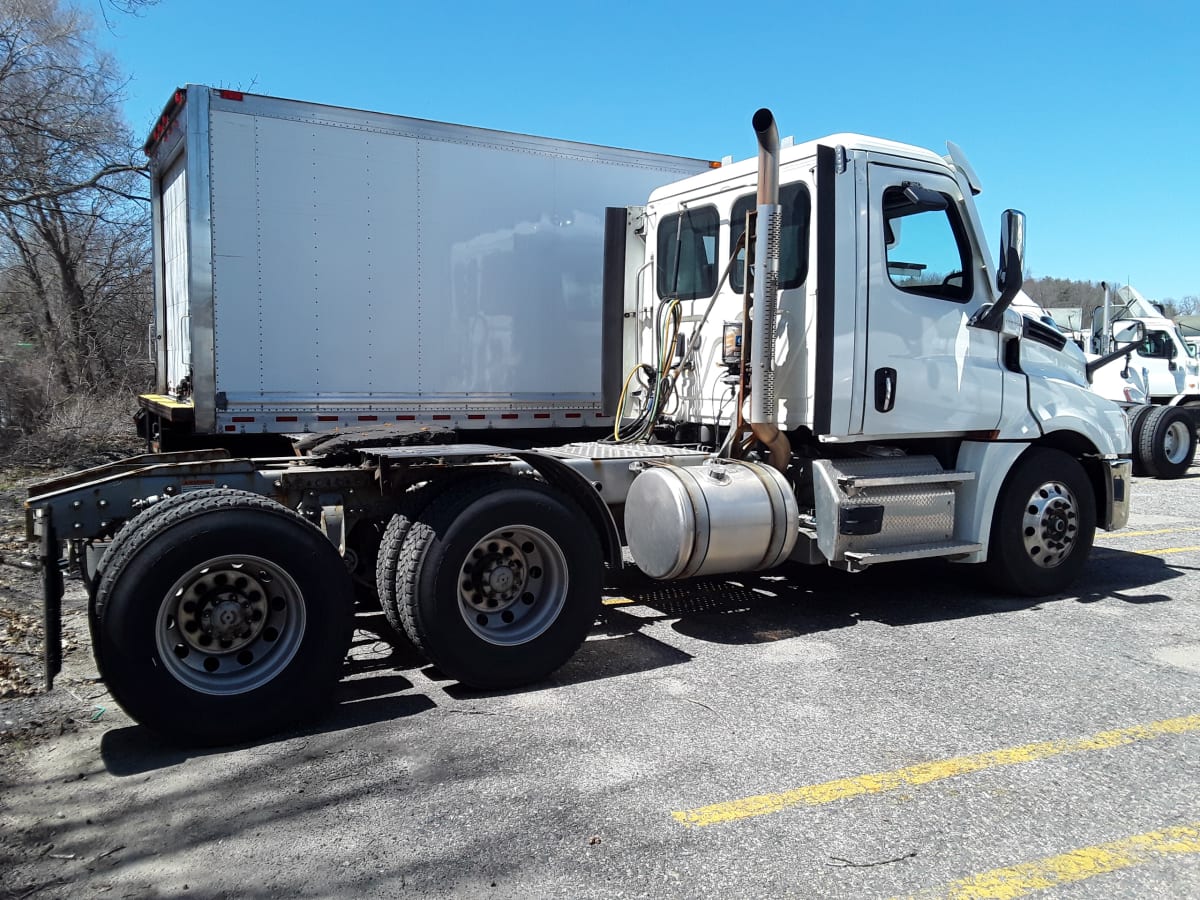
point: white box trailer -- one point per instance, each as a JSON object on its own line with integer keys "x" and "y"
{"x": 318, "y": 267}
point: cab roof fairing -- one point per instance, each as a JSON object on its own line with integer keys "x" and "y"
{"x": 747, "y": 168}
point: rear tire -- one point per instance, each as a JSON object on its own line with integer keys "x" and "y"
{"x": 131, "y": 534}
{"x": 499, "y": 583}
{"x": 224, "y": 619}
{"x": 1136, "y": 421}
{"x": 1043, "y": 526}
{"x": 411, "y": 507}
{"x": 1165, "y": 442}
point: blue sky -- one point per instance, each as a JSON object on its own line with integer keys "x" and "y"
{"x": 1084, "y": 115}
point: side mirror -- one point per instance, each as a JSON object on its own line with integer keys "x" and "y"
{"x": 1132, "y": 333}
{"x": 1011, "y": 266}
{"x": 1128, "y": 332}
{"x": 1009, "y": 270}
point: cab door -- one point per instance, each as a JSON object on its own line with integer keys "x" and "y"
{"x": 927, "y": 371}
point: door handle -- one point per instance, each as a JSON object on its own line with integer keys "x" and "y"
{"x": 885, "y": 389}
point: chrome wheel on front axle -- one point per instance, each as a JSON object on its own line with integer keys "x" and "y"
{"x": 1050, "y": 524}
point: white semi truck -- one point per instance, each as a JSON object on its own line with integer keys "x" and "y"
{"x": 1162, "y": 428}
{"x": 1164, "y": 366}
{"x": 821, "y": 367}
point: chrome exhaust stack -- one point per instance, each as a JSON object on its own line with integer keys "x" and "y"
{"x": 764, "y": 405}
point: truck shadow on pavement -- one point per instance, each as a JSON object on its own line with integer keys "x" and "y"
{"x": 795, "y": 601}
{"x": 787, "y": 603}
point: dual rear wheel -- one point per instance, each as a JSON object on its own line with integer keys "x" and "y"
{"x": 497, "y": 583}
{"x": 223, "y": 616}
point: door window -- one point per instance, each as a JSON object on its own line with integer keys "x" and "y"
{"x": 927, "y": 249}
{"x": 1157, "y": 345}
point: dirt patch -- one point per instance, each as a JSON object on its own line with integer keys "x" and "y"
{"x": 28, "y": 713}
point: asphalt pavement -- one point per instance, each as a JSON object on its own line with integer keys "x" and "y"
{"x": 805, "y": 733}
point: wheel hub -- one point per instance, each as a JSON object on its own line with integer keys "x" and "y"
{"x": 501, "y": 580}
{"x": 230, "y": 624}
{"x": 494, "y": 575}
{"x": 1051, "y": 523}
{"x": 228, "y": 619}
{"x": 512, "y": 585}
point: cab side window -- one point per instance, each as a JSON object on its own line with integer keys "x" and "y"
{"x": 687, "y": 253}
{"x": 793, "y": 236}
{"x": 927, "y": 249}
{"x": 1157, "y": 345}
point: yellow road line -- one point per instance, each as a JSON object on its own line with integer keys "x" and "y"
{"x": 924, "y": 773}
{"x": 1165, "y": 550}
{"x": 1075, "y": 865}
{"x": 1125, "y": 534}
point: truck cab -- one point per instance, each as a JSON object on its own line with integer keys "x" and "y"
{"x": 1169, "y": 363}
{"x": 897, "y": 372}
{"x": 885, "y": 280}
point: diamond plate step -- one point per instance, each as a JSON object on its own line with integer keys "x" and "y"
{"x": 855, "y": 481}
{"x": 860, "y": 559}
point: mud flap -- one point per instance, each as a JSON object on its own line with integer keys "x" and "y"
{"x": 52, "y": 594}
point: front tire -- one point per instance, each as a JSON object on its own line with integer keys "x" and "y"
{"x": 499, "y": 583}
{"x": 228, "y": 620}
{"x": 1043, "y": 526}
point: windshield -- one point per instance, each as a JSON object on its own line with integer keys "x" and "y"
{"x": 1187, "y": 345}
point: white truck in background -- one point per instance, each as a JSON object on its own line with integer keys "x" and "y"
{"x": 822, "y": 368}
{"x": 1160, "y": 364}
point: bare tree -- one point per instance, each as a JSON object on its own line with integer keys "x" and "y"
{"x": 59, "y": 101}
{"x": 74, "y": 273}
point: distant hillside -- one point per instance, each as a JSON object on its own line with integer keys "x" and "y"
{"x": 1055, "y": 293}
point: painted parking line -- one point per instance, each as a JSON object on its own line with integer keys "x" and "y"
{"x": 1075, "y": 865}
{"x": 1163, "y": 551}
{"x": 924, "y": 773}
{"x": 1108, "y": 536}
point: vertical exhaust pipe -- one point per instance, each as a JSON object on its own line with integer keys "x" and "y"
{"x": 1104, "y": 340}
{"x": 764, "y": 406}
